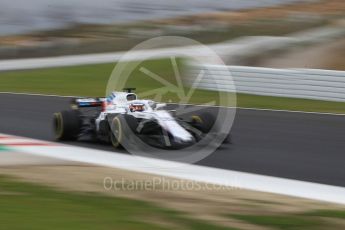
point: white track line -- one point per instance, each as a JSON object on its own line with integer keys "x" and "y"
{"x": 204, "y": 174}
{"x": 269, "y": 110}
{"x": 292, "y": 111}
{"x": 37, "y": 94}
{"x": 18, "y": 141}
{"x": 214, "y": 106}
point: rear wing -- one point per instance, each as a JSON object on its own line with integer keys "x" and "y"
{"x": 87, "y": 102}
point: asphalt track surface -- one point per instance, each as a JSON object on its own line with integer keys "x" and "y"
{"x": 302, "y": 146}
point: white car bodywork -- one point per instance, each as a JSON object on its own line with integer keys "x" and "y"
{"x": 118, "y": 103}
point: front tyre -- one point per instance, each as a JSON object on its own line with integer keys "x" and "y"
{"x": 203, "y": 121}
{"x": 67, "y": 125}
{"x": 122, "y": 126}
{"x": 116, "y": 132}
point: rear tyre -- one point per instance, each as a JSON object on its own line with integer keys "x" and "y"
{"x": 67, "y": 125}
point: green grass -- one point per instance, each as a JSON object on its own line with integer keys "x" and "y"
{"x": 280, "y": 222}
{"x": 307, "y": 220}
{"x": 30, "y": 206}
{"x": 79, "y": 80}
{"x": 340, "y": 214}
{"x": 91, "y": 80}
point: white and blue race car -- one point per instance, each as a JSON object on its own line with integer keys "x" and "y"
{"x": 120, "y": 116}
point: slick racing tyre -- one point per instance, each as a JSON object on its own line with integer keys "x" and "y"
{"x": 121, "y": 127}
{"x": 203, "y": 121}
{"x": 228, "y": 139}
{"x": 116, "y": 131}
{"x": 67, "y": 125}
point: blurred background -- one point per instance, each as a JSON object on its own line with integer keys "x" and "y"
{"x": 306, "y": 28}
{"x": 246, "y": 34}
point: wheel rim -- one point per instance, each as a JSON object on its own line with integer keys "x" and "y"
{"x": 197, "y": 119}
{"x": 58, "y": 128}
{"x": 116, "y": 132}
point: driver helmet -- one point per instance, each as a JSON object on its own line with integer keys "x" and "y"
{"x": 136, "y": 107}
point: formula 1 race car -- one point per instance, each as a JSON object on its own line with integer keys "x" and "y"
{"x": 121, "y": 115}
